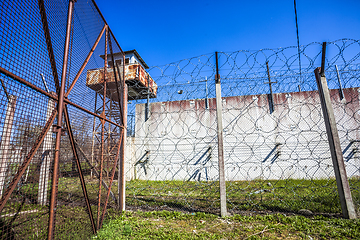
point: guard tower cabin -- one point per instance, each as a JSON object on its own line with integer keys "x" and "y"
{"x": 139, "y": 82}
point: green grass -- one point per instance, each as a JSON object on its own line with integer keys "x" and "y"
{"x": 71, "y": 223}
{"x": 245, "y": 197}
{"x": 177, "y": 225}
{"x": 288, "y": 195}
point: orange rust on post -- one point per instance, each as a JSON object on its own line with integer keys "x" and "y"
{"x": 102, "y": 115}
{"x": 55, "y": 179}
{"x": 217, "y": 77}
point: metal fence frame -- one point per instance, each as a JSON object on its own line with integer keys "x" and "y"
{"x": 64, "y": 123}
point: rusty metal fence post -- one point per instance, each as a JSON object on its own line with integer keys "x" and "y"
{"x": 102, "y": 147}
{"x": 60, "y": 106}
{"x": 342, "y": 182}
{"x": 222, "y": 183}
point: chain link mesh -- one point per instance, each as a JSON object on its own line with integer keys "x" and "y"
{"x": 276, "y": 151}
{"x": 31, "y": 59}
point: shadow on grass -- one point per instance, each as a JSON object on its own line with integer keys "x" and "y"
{"x": 318, "y": 204}
{"x": 151, "y": 204}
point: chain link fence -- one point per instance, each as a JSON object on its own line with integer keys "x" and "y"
{"x": 57, "y": 177}
{"x": 276, "y": 151}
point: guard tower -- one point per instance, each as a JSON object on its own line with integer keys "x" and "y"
{"x": 139, "y": 82}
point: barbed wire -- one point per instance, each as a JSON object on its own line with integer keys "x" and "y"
{"x": 269, "y": 154}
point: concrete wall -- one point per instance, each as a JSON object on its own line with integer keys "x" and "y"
{"x": 179, "y": 142}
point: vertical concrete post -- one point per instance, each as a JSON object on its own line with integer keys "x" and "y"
{"x": 346, "y": 201}
{"x": 223, "y": 209}
{"x": 5, "y": 140}
{"x": 121, "y": 176}
{"x": 342, "y": 182}
{"x": 93, "y": 139}
{"x": 46, "y": 158}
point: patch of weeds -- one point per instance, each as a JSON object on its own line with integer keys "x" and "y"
{"x": 127, "y": 230}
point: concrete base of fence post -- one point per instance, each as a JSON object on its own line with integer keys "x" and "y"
{"x": 342, "y": 182}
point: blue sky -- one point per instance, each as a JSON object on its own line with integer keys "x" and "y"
{"x": 168, "y": 31}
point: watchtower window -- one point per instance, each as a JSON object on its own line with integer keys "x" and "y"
{"x": 127, "y": 60}
{"x": 118, "y": 62}
{"x": 110, "y": 63}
